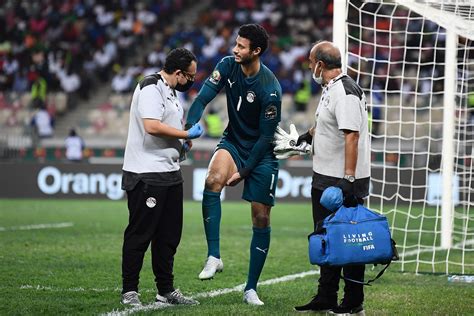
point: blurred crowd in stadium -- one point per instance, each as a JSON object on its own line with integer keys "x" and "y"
{"x": 56, "y": 55}
{"x": 53, "y": 53}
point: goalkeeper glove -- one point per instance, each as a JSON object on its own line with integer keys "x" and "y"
{"x": 301, "y": 150}
{"x": 285, "y": 144}
{"x": 283, "y": 140}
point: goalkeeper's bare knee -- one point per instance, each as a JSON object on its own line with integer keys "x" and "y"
{"x": 215, "y": 181}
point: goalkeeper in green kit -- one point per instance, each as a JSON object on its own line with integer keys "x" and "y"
{"x": 245, "y": 151}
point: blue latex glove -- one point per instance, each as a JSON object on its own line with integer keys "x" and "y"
{"x": 195, "y": 131}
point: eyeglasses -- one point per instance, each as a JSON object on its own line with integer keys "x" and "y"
{"x": 188, "y": 76}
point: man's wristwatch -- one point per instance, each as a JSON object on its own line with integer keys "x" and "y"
{"x": 350, "y": 178}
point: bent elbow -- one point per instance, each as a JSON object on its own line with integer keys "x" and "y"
{"x": 150, "y": 130}
{"x": 152, "y": 127}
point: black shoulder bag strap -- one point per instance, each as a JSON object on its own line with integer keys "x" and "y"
{"x": 370, "y": 281}
{"x": 394, "y": 258}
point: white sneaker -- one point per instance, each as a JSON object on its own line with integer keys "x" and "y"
{"x": 131, "y": 298}
{"x": 175, "y": 298}
{"x": 251, "y": 298}
{"x": 212, "y": 266}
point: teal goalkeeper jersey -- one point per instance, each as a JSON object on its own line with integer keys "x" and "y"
{"x": 253, "y": 106}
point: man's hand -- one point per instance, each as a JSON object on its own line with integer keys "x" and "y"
{"x": 234, "y": 180}
{"x": 306, "y": 137}
{"x": 187, "y": 145}
{"x": 195, "y": 131}
{"x": 347, "y": 187}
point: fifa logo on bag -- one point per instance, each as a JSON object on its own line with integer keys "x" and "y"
{"x": 360, "y": 240}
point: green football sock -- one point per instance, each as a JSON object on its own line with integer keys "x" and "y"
{"x": 258, "y": 253}
{"x": 211, "y": 215}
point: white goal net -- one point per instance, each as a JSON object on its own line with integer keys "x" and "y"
{"x": 415, "y": 61}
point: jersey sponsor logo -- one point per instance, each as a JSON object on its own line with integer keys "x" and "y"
{"x": 230, "y": 83}
{"x": 251, "y": 96}
{"x": 151, "y": 202}
{"x": 215, "y": 77}
{"x": 270, "y": 112}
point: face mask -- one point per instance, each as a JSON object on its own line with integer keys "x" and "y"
{"x": 184, "y": 87}
{"x": 318, "y": 80}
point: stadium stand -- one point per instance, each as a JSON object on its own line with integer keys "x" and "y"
{"x": 71, "y": 54}
{"x": 63, "y": 51}
{"x": 212, "y": 34}
{"x": 84, "y": 58}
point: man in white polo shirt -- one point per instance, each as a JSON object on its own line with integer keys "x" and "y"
{"x": 341, "y": 157}
{"x": 152, "y": 176}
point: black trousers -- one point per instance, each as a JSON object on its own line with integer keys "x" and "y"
{"x": 156, "y": 216}
{"x": 330, "y": 276}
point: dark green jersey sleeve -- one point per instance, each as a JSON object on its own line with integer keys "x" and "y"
{"x": 208, "y": 92}
{"x": 270, "y": 116}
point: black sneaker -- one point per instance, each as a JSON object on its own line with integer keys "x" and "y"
{"x": 318, "y": 304}
{"x": 345, "y": 310}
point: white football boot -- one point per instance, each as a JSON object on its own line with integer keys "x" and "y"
{"x": 212, "y": 266}
{"x": 251, "y": 298}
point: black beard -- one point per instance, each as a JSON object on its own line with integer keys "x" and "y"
{"x": 245, "y": 61}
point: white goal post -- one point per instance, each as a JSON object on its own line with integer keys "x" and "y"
{"x": 415, "y": 61}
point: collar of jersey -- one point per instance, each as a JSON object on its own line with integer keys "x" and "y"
{"x": 173, "y": 92}
{"x": 333, "y": 80}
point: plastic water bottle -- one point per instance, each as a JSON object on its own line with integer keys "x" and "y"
{"x": 461, "y": 278}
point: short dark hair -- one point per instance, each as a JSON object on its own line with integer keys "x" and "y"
{"x": 331, "y": 61}
{"x": 178, "y": 59}
{"x": 257, "y": 36}
{"x": 330, "y": 57}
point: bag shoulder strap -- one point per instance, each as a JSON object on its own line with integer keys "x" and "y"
{"x": 394, "y": 258}
{"x": 370, "y": 281}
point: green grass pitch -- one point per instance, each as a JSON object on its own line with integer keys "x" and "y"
{"x": 76, "y": 269}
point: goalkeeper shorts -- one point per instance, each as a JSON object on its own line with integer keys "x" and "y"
{"x": 260, "y": 185}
